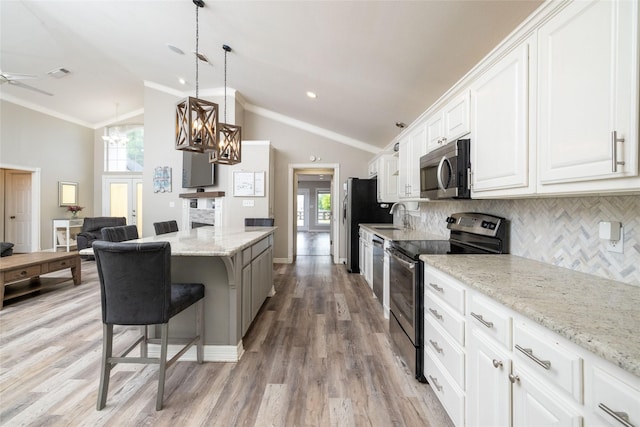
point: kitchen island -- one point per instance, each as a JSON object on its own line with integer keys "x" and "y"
{"x": 235, "y": 265}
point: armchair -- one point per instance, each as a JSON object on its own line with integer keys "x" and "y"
{"x": 92, "y": 229}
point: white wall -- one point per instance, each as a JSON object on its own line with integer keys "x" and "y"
{"x": 63, "y": 151}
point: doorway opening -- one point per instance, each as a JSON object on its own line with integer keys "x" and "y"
{"x": 312, "y": 194}
{"x": 122, "y": 196}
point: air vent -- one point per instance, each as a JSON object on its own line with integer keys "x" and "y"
{"x": 58, "y": 73}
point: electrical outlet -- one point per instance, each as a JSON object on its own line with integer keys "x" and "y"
{"x": 617, "y": 246}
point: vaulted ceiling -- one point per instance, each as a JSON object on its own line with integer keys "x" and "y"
{"x": 371, "y": 63}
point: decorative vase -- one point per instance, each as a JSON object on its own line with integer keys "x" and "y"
{"x": 74, "y": 214}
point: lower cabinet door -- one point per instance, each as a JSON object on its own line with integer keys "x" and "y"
{"x": 488, "y": 385}
{"x": 536, "y": 404}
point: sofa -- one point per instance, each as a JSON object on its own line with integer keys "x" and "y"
{"x": 92, "y": 229}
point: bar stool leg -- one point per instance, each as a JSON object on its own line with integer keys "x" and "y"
{"x": 105, "y": 369}
{"x": 164, "y": 340}
{"x": 200, "y": 330}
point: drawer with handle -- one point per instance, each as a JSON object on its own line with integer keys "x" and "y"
{"x": 492, "y": 319}
{"x": 451, "y": 397}
{"x": 60, "y": 264}
{"x": 545, "y": 354}
{"x": 22, "y": 273}
{"x": 450, "y": 354}
{"x": 616, "y": 402}
{"x": 446, "y": 287}
{"x": 445, "y": 316}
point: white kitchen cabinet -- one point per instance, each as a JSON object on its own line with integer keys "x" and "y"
{"x": 373, "y": 167}
{"x": 615, "y": 397}
{"x": 366, "y": 256}
{"x": 502, "y": 154}
{"x": 388, "y": 179}
{"x": 412, "y": 146}
{"x": 444, "y": 341}
{"x": 449, "y": 123}
{"x": 488, "y": 385}
{"x": 588, "y": 92}
{"x": 536, "y": 404}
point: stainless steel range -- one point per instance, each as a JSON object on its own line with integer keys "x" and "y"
{"x": 470, "y": 233}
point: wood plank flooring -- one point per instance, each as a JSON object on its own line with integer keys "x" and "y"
{"x": 318, "y": 354}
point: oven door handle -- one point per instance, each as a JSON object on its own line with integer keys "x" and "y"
{"x": 405, "y": 261}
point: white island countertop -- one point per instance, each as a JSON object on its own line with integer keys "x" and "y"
{"x": 210, "y": 240}
{"x": 600, "y": 315}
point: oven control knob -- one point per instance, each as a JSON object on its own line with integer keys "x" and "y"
{"x": 451, "y": 220}
{"x": 484, "y": 224}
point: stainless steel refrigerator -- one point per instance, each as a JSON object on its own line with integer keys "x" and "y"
{"x": 360, "y": 206}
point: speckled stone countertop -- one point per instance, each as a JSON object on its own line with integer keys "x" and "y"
{"x": 394, "y": 232}
{"x": 211, "y": 241}
{"x": 600, "y": 315}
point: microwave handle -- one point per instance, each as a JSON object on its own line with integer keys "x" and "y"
{"x": 439, "y": 172}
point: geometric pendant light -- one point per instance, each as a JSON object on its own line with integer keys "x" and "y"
{"x": 196, "y": 119}
{"x": 228, "y": 151}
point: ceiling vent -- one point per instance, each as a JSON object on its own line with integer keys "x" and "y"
{"x": 58, "y": 73}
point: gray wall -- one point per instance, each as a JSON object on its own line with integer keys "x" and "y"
{"x": 295, "y": 146}
{"x": 63, "y": 151}
{"x": 560, "y": 231}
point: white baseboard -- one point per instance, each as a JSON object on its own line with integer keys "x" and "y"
{"x": 282, "y": 261}
{"x": 212, "y": 353}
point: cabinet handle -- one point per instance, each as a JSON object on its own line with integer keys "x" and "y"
{"x": 435, "y": 313}
{"x": 435, "y": 383}
{"x": 436, "y": 287}
{"x": 514, "y": 378}
{"x": 497, "y": 363}
{"x": 614, "y": 146}
{"x": 621, "y": 417}
{"x": 481, "y": 320}
{"x": 434, "y": 344}
{"x": 529, "y": 353}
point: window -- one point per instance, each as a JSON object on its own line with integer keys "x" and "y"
{"x": 124, "y": 148}
{"x": 324, "y": 207}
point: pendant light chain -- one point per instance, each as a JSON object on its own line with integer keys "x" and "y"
{"x": 225, "y": 85}
{"x": 197, "y": 51}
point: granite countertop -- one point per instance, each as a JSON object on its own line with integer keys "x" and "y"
{"x": 600, "y": 315}
{"x": 394, "y": 232}
{"x": 211, "y": 241}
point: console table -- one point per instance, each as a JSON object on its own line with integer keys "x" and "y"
{"x": 22, "y": 272}
{"x": 65, "y": 232}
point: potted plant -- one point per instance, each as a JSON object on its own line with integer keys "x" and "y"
{"x": 74, "y": 209}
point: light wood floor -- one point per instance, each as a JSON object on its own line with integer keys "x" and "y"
{"x": 318, "y": 354}
{"x": 313, "y": 243}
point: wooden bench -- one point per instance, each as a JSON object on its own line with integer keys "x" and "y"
{"x": 22, "y": 272}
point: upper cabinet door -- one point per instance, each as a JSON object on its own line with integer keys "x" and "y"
{"x": 588, "y": 92}
{"x": 500, "y": 117}
{"x": 456, "y": 117}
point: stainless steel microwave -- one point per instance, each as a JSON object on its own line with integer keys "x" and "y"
{"x": 445, "y": 173}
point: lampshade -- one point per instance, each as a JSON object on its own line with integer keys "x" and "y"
{"x": 196, "y": 125}
{"x": 229, "y": 146}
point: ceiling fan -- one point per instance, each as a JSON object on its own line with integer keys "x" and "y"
{"x": 14, "y": 79}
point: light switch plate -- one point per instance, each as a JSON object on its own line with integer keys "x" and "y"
{"x": 616, "y": 246}
{"x": 248, "y": 203}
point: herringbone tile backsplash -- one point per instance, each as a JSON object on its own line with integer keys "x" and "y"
{"x": 558, "y": 231}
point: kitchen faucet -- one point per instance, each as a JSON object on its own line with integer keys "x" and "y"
{"x": 405, "y": 219}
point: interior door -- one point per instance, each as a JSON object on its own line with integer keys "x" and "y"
{"x": 18, "y": 210}
{"x": 123, "y": 197}
{"x": 302, "y": 209}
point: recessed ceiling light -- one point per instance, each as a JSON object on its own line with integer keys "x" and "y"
{"x": 312, "y": 95}
{"x": 182, "y": 81}
{"x": 176, "y": 49}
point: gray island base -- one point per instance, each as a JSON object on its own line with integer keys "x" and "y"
{"x": 236, "y": 267}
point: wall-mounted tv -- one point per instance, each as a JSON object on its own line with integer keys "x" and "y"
{"x": 197, "y": 171}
